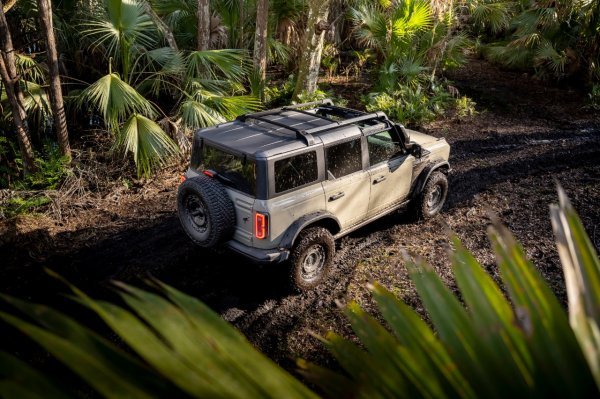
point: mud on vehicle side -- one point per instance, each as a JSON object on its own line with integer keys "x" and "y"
{"x": 283, "y": 184}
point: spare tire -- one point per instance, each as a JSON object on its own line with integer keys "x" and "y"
{"x": 205, "y": 210}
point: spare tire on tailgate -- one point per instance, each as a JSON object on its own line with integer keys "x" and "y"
{"x": 205, "y": 211}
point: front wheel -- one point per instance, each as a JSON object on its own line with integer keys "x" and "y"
{"x": 433, "y": 197}
{"x": 311, "y": 258}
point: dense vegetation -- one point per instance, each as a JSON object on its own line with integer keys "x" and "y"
{"x": 149, "y": 72}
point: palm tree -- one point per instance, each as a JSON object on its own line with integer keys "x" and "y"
{"x": 204, "y": 85}
{"x": 310, "y": 59}
{"x": 56, "y": 97}
{"x": 10, "y": 78}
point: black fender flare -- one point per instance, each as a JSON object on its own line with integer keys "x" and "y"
{"x": 419, "y": 182}
{"x": 290, "y": 235}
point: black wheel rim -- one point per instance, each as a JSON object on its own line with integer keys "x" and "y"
{"x": 435, "y": 197}
{"x": 313, "y": 262}
{"x": 197, "y": 213}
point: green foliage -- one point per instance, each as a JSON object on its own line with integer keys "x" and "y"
{"x": 186, "y": 350}
{"x": 498, "y": 347}
{"x": 20, "y": 205}
{"x": 147, "y": 142}
{"x": 410, "y": 45}
{"x": 495, "y": 342}
{"x": 410, "y": 105}
{"x": 465, "y": 107}
{"x": 51, "y": 169}
{"x": 202, "y": 88}
{"x": 557, "y": 39}
{"x": 277, "y": 95}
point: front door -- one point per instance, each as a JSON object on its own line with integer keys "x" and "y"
{"x": 390, "y": 171}
{"x": 347, "y": 187}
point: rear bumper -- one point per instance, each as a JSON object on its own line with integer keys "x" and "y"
{"x": 261, "y": 256}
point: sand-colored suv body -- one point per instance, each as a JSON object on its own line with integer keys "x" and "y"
{"x": 311, "y": 165}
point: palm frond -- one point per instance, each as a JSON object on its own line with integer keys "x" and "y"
{"x": 495, "y": 347}
{"x": 370, "y": 25}
{"x": 115, "y": 100}
{"x": 581, "y": 267}
{"x": 495, "y": 16}
{"x": 228, "y": 63}
{"x": 123, "y": 24}
{"x": 30, "y": 69}
{"x": 148, "y": 143}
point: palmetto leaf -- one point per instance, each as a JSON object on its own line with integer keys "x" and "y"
{"x": 148, "y": 143}
{"x": 217, "y": 63}
{"x": 124, "y": 24}
{"x": 582, "y": 275}
{"x": 411, "y": 17}
{"x": 115, "y": 100}
{"x": 19, "y": 380}
{"x": 493, "y": 15}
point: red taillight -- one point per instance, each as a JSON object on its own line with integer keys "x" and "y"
{"x": 208, "y": 173}
{"x": 261, "y": 225}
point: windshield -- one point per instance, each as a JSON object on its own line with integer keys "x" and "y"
{"x": 235, "y": 171}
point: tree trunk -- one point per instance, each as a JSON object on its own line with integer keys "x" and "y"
{"x": 161, "y": 25}
{"x": 203, "y": 25}
{"x": 56, "y": 97}
{"x": 310, "y": 61}
{"x": 260, "y": 40}
{"x": 8, "y": 73}
{"x": 242, "y": 22}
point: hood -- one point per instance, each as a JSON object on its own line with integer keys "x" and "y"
{"x": 420, "y": 138}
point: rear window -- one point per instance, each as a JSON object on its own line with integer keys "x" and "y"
{"x": 296, "y": 171}
{"x": 237, "y": 172}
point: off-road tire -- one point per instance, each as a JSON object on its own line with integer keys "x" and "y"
{"x": 215, "y": 220}
{"x": 431, "y": 200}
{"x": 318, "y": 244}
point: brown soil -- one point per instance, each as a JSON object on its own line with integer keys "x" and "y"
{"x": 507, "y": 160}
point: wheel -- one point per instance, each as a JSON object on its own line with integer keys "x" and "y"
{"x": 433, "y": 197}
{"x": 311, "y": 258}
{"x": 205, "y": 211}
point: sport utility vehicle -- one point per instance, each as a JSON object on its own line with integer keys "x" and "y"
{"x": 282, "y": 185}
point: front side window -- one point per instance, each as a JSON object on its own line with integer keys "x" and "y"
{"x": 236, "y": 171}
{"x": 343, "y": 159}
{"x": 382, "y": 147}
{"x": 296, "y": 171}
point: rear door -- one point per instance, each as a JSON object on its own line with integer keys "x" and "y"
{"x": 390, "y": 171}
{"x": 347, "y": 185}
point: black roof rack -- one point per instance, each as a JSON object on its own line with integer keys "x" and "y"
{"x": 327, "y": 109}
{"x": 301, "y": 134}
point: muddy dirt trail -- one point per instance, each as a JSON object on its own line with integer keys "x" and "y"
{"x": 505, "y": 160}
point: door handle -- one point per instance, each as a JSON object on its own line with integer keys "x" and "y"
{"x": 337, "y": 196}
{"x": 379, "y": 179}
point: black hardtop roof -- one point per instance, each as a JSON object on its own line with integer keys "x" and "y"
{"x": 281, "y": 130}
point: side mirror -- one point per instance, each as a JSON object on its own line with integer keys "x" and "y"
{"x": 415, "y": 150}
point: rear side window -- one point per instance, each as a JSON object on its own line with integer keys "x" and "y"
{"x": 343, "y": 159}
{"x": 296, "y": 171}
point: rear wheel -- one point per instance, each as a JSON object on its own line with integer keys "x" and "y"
{"x": 311, "y": 258}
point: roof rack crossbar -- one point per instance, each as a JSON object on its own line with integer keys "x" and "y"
{"x": 308, "y": 139}
{"x": 300, "y": 111}
{"x": 376, "y": 115}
